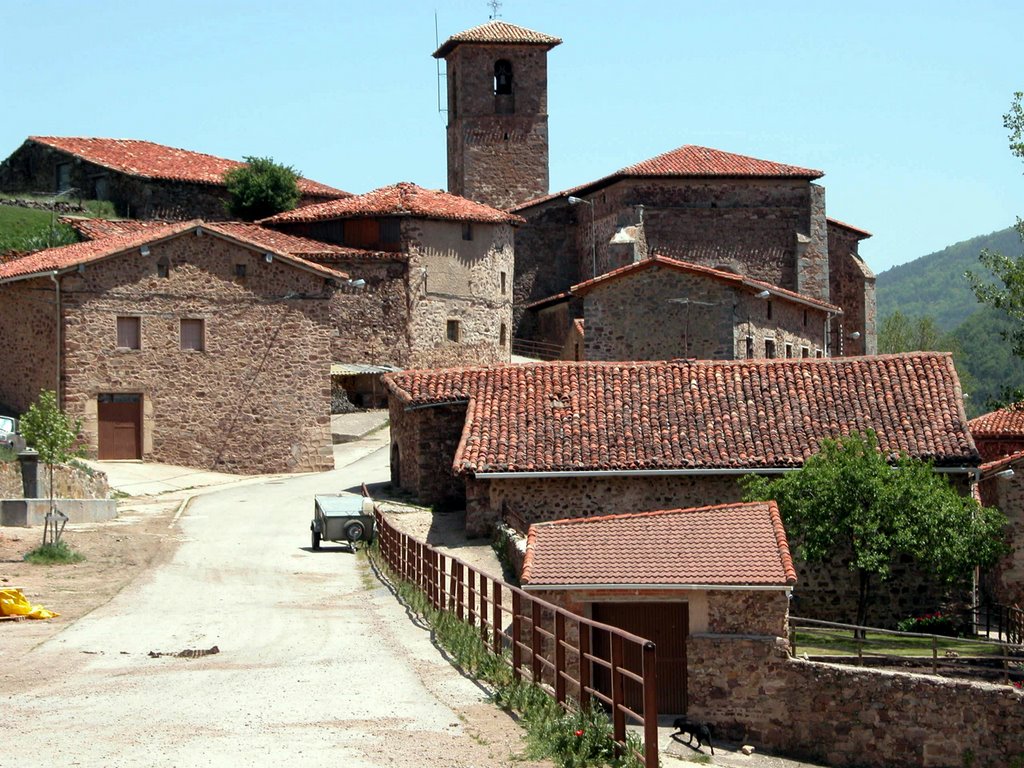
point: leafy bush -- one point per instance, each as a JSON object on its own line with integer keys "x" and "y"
{"x": 261, "y": 188}
{"x": 930, "y": 624}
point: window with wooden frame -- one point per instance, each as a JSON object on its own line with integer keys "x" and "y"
{"x": 503, "y": 335}
{"x": 769, "y": 349}
{"x": 467, "y": 230}
{"x": 805, "y": 352}
{"x": 163, "y": 267}
{"x": 453, "y": 330}
{"x": 750, "y": 348}
{"x": 129, "y": 332}
{"x": 789, "y": 350}
{"x": 240, "y": 270}
{"x": 63, "y": 179}
{"x": 193, "y": 334}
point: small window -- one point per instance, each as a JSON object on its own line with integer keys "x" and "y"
{"x": 504, "y": 283}
{"x": 817, "y": 353}
{"x": 750, "y": 347}
{"x": 453, "y": 330}
{"x": 502, "y": 77}
{"x": 769, "y": 348}
{"x": 163, "y": 267}
{"x": 805, "y": 318}
{"x": 467, "y": 230}
{"x": 239, "y": 270}
{"x": 129, "y": 333}
{"x": 805, "y": 352}
{"x": 63, "y": 180}
{"x": 390, "y": 231}
{"x": 503, "y": 336}
{"x": 789, "y": 350}
{"x": 768, "y": 309}
{"x": 193, "y": 334}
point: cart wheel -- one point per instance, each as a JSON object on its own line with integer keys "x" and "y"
{"x": 354, "y": 531}
{"x": 316, "y": 539}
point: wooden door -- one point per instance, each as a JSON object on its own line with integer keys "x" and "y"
{"x": 120, "y": 422}
{"x": 666, "y": 625}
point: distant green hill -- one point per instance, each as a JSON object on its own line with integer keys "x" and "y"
{"x": 935, "y": 284}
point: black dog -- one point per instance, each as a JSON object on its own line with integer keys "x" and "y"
{"x": 693, "y": 730}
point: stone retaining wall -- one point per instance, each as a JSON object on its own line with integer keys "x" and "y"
{"x": 70, "y": 482}
{"x": 749, "y": 689}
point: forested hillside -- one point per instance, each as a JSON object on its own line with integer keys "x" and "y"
{"x": 935, "y": 285}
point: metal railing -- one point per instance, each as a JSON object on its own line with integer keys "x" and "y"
{"x": 540, "y": 641}
{"x": 1000, "y": 622}
{"x": 540, "y": 350}
{"x": 870, "y": 646}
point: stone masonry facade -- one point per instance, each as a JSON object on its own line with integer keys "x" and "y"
{"x": 255, "y": 399}
{"x": 29, "y": 330}
{"x": 852, "y": 286}
{"x": 1006, "y": 581}
{"x": 693, "y": 316}
{"x": 497, "y": 143}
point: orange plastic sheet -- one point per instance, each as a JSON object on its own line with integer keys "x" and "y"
{"x": 13, "y": 603}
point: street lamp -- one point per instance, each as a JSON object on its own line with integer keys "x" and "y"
{"x": 593, "y": 232}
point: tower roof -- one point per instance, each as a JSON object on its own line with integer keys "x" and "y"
{"x": 500, "y": 32}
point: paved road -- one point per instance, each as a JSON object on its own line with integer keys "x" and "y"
{"x": 318, "y": 664}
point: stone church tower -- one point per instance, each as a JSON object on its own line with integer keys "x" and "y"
{"x": 497, "y": 113}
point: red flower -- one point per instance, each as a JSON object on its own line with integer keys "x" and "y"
{"x": 579, "y": 733}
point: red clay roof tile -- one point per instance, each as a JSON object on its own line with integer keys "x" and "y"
{"x": 157, "y": 161}
{"x": 402, "y": 199}
{"x": 1006, "y": 422}
{"x": 861, "y": 233}
{"x": 685, "y": 415}
{"x": 497, "y": 32}
{"x": 754, "y": 286}
{"x": 727, "y": 545}
{"x": 71, "y": 256}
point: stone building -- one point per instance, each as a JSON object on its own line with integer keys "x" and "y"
{"x": 1002, "y": 486}
{"x": 999, "y": 433}
{"x": 725, "y": 569}
{"x": 564, "y": 440}
{"x": 760, "y": 219}
{"x": 190, "y": 343}
{"x": 497, "y": 112}
{"x": 142, "y": 179}
{"x": 437, "y": 274}
{"x": 693, "y": 311}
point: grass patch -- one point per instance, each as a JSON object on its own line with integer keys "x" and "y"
{"x": 824, "y": 642}
{"x": 8, "y": 454}
{"x": 574, "y": 737}
{"x": 27, "y": 229}
{"x": 54, "y": 554}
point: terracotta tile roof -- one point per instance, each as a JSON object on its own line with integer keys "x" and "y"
{"x": 402, "y": 199}
{"x": 157, "y": 161}
{"x": 695, "y": 415}
{"x": 69, "y": 257}
{"x": 578, "y": 325}
{"x": 1006, "y": 422}
{"x": 500, "y": 32}
{"x": 727, "y": 545}
{"x": 990, "y": 468}
{"x": 746, "y": 283}
{"x": 548, "y": 301}
{"x": 94, "y": 229}
{"x": 863, "y": 233}
{"x": 688, "y": 161}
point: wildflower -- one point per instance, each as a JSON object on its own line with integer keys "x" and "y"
{"x": 579, "y": 733}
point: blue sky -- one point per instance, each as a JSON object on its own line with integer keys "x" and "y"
{"x": 900, "y": 104}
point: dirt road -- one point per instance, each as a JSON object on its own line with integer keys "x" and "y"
{"x": 317, "y": 664}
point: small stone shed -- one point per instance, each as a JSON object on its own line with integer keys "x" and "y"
{"x": 143, "y": 180}
{"x": 693, "y": 311}
{"x": 191, "y": 343}
{"x": 668, "y": 575}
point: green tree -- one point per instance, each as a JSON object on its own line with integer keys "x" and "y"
{"x": 261, "y": 188}
{"x": 848, "y": 500}
{"x": 900, "y": 333}
{"x": 1008, "y": 270}
{"x": 53, "y": 434}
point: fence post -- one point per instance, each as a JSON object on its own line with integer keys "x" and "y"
{"x": 535, "y": 640}
{"x": 471, "y": 597}
{"x": 453, "y": 585}
{"x": 618, "y": 716}
{"x": 559, "y": 657}
{"x": 517, "y": 628}
{"x": 935, "y": 655}
{"x": 483, "y": 608}
{"x": 650, "y": 705}
{"x": 583, "y": 633}
{"x": 459, "y": 588}
{"x": 496, "y": 616}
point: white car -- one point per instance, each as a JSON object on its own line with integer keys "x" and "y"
{"x": 9, "y": 437}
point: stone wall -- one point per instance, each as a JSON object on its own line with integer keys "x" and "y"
{"x": 256, "y": 399}
{"x": 70, "y": 482}
{"x": 28, "y": 330}
{"x": 812, "y": 263}
{"x": 852, "y": 287}
{"x": 424, "y": 442}
{"x": 371, "y": 323}
{"x": 497, "y": 144}
{"x": 546, "y": 260}
{"x": 751, "y": 691}
{"x": 457, "y": 280}
{"x": 10, "y": 480}
{"x": 1007, "y": 579}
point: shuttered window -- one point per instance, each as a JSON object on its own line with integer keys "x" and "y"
{"x": 193, "y": 335}
{"x": 129, "y": 332}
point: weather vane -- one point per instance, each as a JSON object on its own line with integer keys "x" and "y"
{"x": 495, "y": 8}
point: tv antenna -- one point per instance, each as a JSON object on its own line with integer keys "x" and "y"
{"x": 495, "y": 9}
{"x": 440, "y": 75}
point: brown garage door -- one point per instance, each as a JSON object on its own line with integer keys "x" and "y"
{"x": 666, "y": 625}
{"x": 120, "y": 418}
